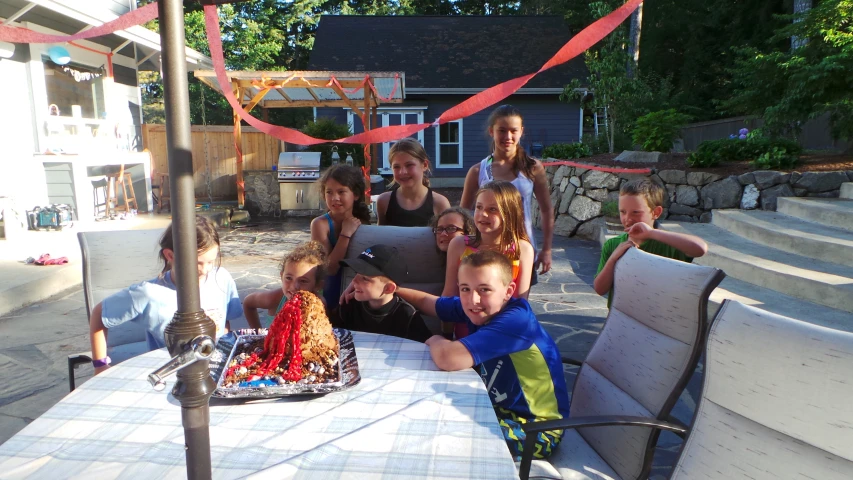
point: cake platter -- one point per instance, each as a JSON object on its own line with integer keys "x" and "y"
{"x": 229, "y": 346}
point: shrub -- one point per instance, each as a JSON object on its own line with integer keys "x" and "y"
{"x": 610, "y": 208}
{"x": 775, "y": 158}
{"x": 656, "y": 131}
{"x": 327, "y": 128}
{"x": 565, "y": 151}
{"x": 710, "y": 153}
{"x": 600, "y": 144}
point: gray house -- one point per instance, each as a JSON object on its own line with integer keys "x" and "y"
{"x": 447, "y": 60}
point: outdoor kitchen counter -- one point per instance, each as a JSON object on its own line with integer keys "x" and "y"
{"x": 67, "y": 177}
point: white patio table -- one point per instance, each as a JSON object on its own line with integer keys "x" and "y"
{"x": 406, "y": 419}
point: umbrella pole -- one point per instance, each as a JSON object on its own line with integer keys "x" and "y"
{"x": 194, "y": 385}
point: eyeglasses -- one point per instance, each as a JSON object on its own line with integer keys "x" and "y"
{"x": 448, "y": 230}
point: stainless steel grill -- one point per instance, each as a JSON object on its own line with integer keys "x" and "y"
{"x": 298, "y": 166}
{"x": 297, "y": 172}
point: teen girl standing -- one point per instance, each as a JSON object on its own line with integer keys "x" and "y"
{"x": 342, "y": 187}
{"x": 511, "y": 163}
{"x": 411, "y": 203}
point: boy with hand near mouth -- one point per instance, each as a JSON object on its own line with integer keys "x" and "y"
{"x": 640, "y": 205}
{"x": 518, "y": 361}
{"x": 377, "y": 308}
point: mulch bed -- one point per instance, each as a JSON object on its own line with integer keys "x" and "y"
{"x": 677, "y": 161}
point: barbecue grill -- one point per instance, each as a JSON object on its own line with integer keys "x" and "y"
{"x": 297, "y": 172}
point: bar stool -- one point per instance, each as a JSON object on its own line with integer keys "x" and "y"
{"x": 124, "y": 179}
{"x": 99, "y": 191}
{"x": 163, "y": 192}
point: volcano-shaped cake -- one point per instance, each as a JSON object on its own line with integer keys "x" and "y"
{"x": 300, "y": 347}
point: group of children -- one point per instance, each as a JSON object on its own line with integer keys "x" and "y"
{"x": 491, "y": 262}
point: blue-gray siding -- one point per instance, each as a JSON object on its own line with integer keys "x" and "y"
{"x": 546, "y": 121}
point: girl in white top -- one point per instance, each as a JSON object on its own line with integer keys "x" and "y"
{"x": 511, "y": 163}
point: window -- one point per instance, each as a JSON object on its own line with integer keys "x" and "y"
{"x": 448, "y": 145}
{"x": 72, "y": 87}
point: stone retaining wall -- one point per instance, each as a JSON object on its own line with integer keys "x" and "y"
{"x": 578, "y": 193}
{"x": 262, "y": 193}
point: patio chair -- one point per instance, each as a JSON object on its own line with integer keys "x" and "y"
{"x": 635, "y": 371}
{"x": 114, "y": 260}
{"x": 425, "y": 264}
{"x": 775, "y": 401}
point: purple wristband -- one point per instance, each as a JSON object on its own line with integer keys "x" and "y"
{"x": 101, "y": 363}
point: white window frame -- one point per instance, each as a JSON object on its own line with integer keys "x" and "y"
{"x": 383, "y": 115}
{"x": 438, "y": 145}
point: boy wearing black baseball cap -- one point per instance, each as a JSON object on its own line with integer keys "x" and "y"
{"x": 377, "y": 308}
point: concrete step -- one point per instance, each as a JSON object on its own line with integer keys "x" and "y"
{"x": 778, "y": 303}
{"x": 24, "y": 285}
{"x": 846, "y": 190}
{"x": 790, "y": 234}
{"x": 828, "y": 284}
{"x": 832, "y": 212}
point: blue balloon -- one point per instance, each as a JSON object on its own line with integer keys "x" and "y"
{"x": 59, "y": 54}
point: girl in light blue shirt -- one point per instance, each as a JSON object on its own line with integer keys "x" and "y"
{"x": 153, "y": 303}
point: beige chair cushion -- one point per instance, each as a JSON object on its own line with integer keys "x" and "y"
{"x": 576, "y": 460}
{"x": 777, "y": 400}
{"x": 114, "y": 260}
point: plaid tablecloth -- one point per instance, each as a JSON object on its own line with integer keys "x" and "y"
{"x": 406, "y": 419}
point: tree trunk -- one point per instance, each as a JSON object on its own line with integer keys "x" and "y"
{"x": 634, "y": 41}
{"x": 800, "y": 6}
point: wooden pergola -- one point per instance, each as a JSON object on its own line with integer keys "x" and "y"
{"x": 361, "y": 91}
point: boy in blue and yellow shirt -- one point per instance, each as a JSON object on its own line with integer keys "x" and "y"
{"x": 518, "y": 361}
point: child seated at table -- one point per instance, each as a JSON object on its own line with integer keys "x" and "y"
{"x": 304, "y": 268}
{"x": 153, "y": 303}
{"x": 518, "y": 361}
{"x": 378, "y": 309}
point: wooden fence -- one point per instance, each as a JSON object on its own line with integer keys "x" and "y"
{"x": 214, "y": 156}
{"x": 815, "y": 133}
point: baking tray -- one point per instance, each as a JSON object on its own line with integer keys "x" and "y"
{"x": 226, "y": 348}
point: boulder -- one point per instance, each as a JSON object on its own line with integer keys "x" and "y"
{"x": 817, "y": 182}
{"x": 561, "y": 173}
{"x": 706, "y": 217}
{"x": 563, "y": 183}
{"x": 701, "y": 178}
{"x": 678, "y": 209}
{"x": 589, "y": 230}
{"x": 584, "y": 208}
{"x": 555, "y": 200}
{"x": 599, "y": 179}
{"x": 576, "y": 181}
{"x": 670, "y": 193}
{"x": 721, "y": 194}
{"x": 598, "y": 194}
{"x": 566, "y": 199}
{"x": 769, "y": 195}
{"x": 678, "y": 177}
{"x": 636, "y": 156}
{"x": 794, "y": 177}
{"x": 749, "y": 201}
{"x": 746, "y": 178}
{"x": 580, "y": 171}
{"x": 613, "y": 196}
{"x": 767, "y": 179}
{"x": 801, "y": 192}
{"x": 687, "y": 195}
{"x": 565, "y": 226}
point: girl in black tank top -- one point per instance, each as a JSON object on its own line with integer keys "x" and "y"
{"x": 420, "y": 217}
{"x": 410, "y": 164}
